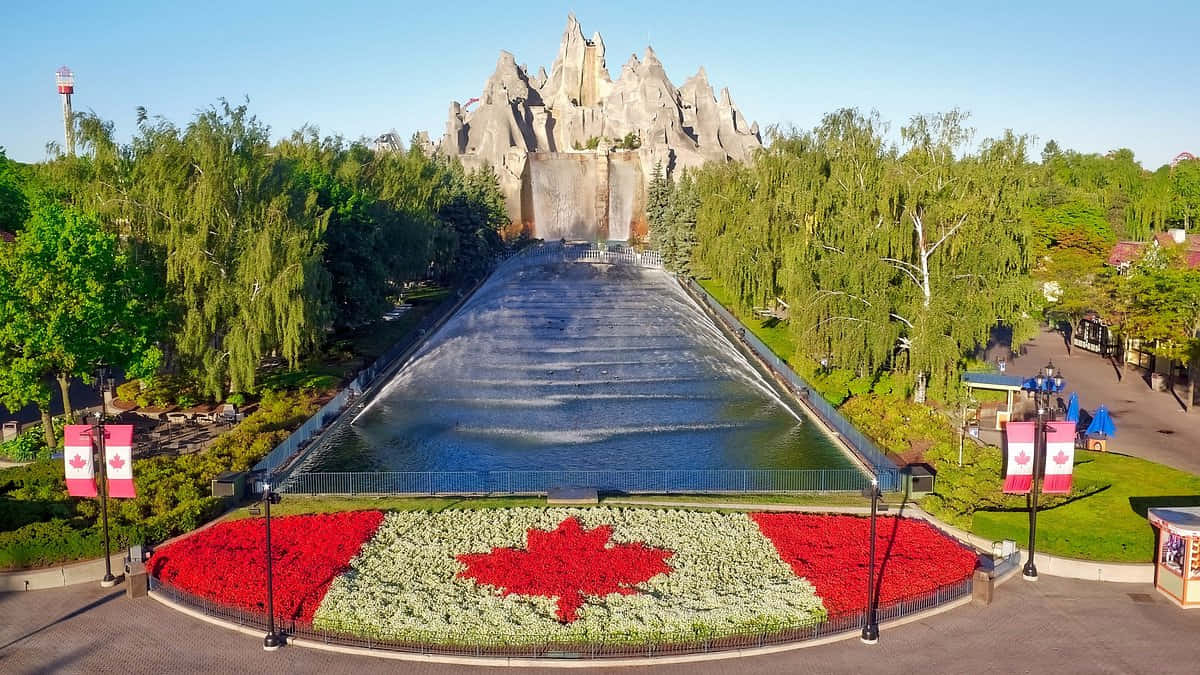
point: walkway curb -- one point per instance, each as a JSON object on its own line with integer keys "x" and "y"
{"x": 62, "y": 575}
{"x": 514, "y": 662}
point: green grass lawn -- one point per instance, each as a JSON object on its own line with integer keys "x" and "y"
{"x": 773, "y": 332}
{"x": 1109, "y": 525}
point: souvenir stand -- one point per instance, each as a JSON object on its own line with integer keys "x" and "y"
{"x": 1177, "y": 561}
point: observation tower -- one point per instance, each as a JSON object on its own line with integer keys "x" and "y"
{"x": 65, "y": 80}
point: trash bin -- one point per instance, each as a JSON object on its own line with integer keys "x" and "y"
{"x": 229, "y": 484}
{"x": 918, "y": 480}
{"x": 137, "y": 580}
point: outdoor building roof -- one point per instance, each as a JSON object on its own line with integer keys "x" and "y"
{"x": 1184, "y": 520}
{"x": 992, "y": 380}
{"x": 1125, "y": 252}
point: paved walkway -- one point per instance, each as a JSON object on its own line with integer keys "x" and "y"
{"x": 1150, "y": 424}
{"x": 1053, "y": 625}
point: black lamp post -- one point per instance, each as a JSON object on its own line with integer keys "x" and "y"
{"x": 274, "y": 639}
{"x": 870, "y": 631}
{"x": 97, "y": 434}
{"x": 1043, "y": 386}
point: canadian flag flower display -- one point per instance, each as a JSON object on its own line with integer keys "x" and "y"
{"x": 78, "y": 462}
{"x": 524, "y": 575}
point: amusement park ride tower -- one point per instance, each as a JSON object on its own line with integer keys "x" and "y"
{"x": 65, "y": 80}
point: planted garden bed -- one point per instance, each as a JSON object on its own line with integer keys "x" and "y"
{"x": 535, "y": 576}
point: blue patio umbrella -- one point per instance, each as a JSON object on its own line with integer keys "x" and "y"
{"x": 1073, "y": 408}
{"x": 1102, "y": 423}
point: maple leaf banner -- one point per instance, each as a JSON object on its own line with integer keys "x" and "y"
{"x": 1060, "y": 458}
{"x": 78, "y": 462}
{"x": 1018, "y": 457}
{"x": 118, "y": 457}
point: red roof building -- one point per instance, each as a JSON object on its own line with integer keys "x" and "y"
{"x": 1125, "y": 252}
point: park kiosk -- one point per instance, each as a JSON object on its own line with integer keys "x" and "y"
{"x": 1177, "y": 561}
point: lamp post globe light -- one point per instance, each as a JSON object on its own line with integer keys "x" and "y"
{"x": 870, "y": 631}
{"x": 274, "y": 639}
{"x": 1042, "y": 386}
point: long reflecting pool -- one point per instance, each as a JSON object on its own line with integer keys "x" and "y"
{"x": 579, "y": 366}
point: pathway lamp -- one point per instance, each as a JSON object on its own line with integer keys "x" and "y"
{"x": 1043, "y": 387}
{"x": 97, "y": 435}
{"x": 870, "y": 631}
{"x": 103, "y": 382}
{"x": 274, "y": 639}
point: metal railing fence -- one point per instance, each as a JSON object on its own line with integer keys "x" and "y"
{"x": 650, "y": 481}
{"x": 887, "y": 471}
{"x": 520, "y": 644}
{"x": 330, "y": 411}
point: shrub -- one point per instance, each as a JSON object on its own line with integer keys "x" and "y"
{"x": 30, "y": 445}
{"x": 128, "y": 391}
{"x": 42, "y": 526}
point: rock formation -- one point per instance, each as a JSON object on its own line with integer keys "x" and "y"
{"x": 578, "y": 104}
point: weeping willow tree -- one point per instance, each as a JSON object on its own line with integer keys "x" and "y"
{"x": 265, "y": 247}
{"x": 243, "y": 252}
{"x": 897, "y": 259}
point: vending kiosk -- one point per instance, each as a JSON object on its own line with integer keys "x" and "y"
{"x": 1177, "y": 561}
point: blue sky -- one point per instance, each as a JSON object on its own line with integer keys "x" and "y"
{"x": 1094, "y": 76}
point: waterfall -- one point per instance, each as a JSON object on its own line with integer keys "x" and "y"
{"x": 622, "y": 185}
{"x": 564, "y": 201}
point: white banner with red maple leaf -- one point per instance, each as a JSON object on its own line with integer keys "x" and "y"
{"x": 1018, "y": 456}
{"x": 78, "y": 461}
{"x": 118, "y": 454}
{"x": 1060, "y": 457}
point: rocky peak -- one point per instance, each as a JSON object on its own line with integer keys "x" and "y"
{"x": 579, "y": 75}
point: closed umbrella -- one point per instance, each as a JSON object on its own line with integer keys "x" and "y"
{"x": 1073, "y": 408}
{"x": 1102, "y": 423}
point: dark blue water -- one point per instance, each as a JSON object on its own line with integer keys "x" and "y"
{"x": 562, "y": 366}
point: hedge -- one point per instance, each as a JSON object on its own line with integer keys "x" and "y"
{"x": 40, "y": 525}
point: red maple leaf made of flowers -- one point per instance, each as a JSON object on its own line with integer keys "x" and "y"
{"x": 78, "y": 462}
{"x": 567, "y": 563}
{"x": 116, "y": 462}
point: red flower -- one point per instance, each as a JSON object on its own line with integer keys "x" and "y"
{"x": 227, "y": 562}
{"x": 911, "y": 556}
{"x": 567, "y": 563}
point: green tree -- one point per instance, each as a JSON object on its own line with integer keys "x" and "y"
{"x": 685, "y": 201}
{"x": 1185, "y": 191}
{"x": 70, "y": 299}
{"x": 658, "y": 210}
{"x": 14, "y": 207}
{"x": 1162, "y": 308}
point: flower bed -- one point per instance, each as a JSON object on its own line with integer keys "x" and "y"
{"x": 227, "y": 562}
{"x": 533, "y": 576}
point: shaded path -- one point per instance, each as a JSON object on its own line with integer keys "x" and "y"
{"x": 1053, "y": 625}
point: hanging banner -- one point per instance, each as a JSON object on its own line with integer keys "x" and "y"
{"x": 1018, "y": 457}
{"x": 77, "y": 459}
{"x": 1060, "y": 458}
{"x": 118, "y": 455}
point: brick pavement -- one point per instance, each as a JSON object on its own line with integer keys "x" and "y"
{"x": 1055, "y": 625}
